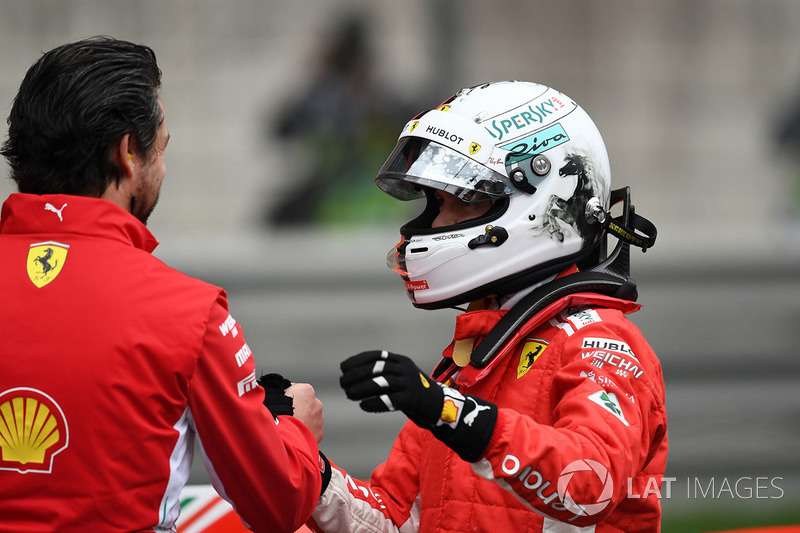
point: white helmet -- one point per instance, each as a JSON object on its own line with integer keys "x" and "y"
{"x": 530, "y": 149}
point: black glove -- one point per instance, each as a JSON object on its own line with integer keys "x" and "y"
{"x": 382, "y": 381}
{"x": 278, "y": 403}
{"x": 275, "y": 398}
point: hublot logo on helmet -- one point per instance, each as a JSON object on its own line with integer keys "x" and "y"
{"x": 452, "y": 137}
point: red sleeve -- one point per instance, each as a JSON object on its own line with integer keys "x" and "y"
{"x": 268, "y": 469}
{"x": 387, "y": 503}
{"x": 608, "y": 417}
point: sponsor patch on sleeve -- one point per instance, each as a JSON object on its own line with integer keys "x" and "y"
{"x": 247, "y": 384}
{"x": 584, "y": 317}
{"x": 609, "y": 402}
{"x": 624, "y": 365}
{"x": 571, "y": 322}
{"x": 612, "y": 345}
{"x": 243, "y": 354}
{"x": 229, "y": 326}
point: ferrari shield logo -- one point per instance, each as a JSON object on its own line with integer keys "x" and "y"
{"x": 414, "y": 126}
{"x": 530, "y": 353}
{"x": 473, "y": 148}
{"x": 45, "y": 261}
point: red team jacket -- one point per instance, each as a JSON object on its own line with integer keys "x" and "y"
{"x": 580, "y": 443}
{"x": 111, "y": 363}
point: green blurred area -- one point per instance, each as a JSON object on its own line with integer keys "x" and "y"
{"x": 364, "y": 207}
{"x": 725, "y": 517}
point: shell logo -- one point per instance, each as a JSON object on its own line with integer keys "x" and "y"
{"x": 449, "y": 412}
{"x": 33, "y": 430}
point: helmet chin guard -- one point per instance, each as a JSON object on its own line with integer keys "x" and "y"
{"x": 540, "y": 159}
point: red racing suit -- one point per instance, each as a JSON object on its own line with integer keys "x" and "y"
{"x": 111, "y": 365}
{"x": 580, "y": 442}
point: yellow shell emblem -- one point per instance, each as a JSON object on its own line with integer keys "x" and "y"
{"x": 449, "y": 411}
{"x": 32, "y": 430}
{"x": 531, "y": 351}
{"x": 45, "y": 261}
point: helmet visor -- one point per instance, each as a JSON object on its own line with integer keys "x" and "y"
{"x": 415, "y": 163}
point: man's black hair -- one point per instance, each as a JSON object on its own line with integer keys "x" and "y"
{"x": 73, "y": 107}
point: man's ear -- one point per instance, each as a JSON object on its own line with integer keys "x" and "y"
{"x": 124, "y": 157}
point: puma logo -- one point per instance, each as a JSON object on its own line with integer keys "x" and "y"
{"x": 470, "y": 418}
{"x": 50, "y": 207}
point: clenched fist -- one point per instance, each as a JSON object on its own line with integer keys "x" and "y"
{"x": 383, "y": 381}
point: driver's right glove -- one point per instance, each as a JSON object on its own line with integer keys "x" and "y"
{"x": 383, "y": 381}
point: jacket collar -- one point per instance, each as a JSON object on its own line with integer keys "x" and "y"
{"x": 62, "y": 214}
{"x": 478, "y": 324}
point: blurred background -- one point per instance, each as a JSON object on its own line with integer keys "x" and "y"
{"x": 281, "y": 113}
